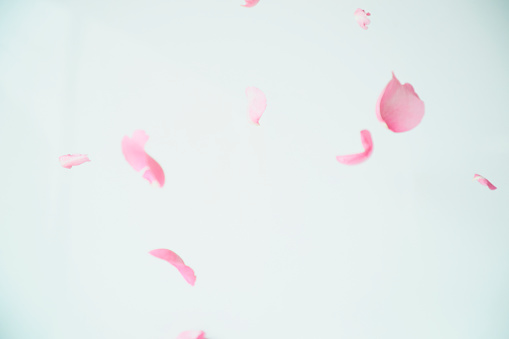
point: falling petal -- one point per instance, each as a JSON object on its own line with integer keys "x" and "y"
{"x": 68, "y": 161}
{"x": 192, "y": 335}
{"x": 354, "y": 159}
{"x": 171, "y": 257}
{"x": 362, "y": 18}
{"x": 134, "y": 152}
{"x": 399, "y": 107}
{"x": 485, "y": 182}
{"x": 251, "y": 3}
{"x": 257, "y": 103}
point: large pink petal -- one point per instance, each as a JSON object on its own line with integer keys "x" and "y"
{"x": 362, "y": 18}
{"x": 192, "y": 335}
{"x": 354, "y": 159}
{"x": 171, "y": 257}
{"x": 485, "y": 182}
{"x": 134, "y": 152}
{"x": 68, "y": 161}
{"x": 251, "y": 3}
{"x": 399, "y": 107}
{"x": 257, "y": 103}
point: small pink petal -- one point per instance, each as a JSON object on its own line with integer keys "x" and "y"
{"x": 134, "y": 152}
{"x": 68, "y": 161}
{"x": 251, "y": 3}
{"x": 257, "y": 103}
{"x": 485, "y": 182}
{"x": 171, "y": 257}
{"x": 399, "y": 107}
{"x": 362, "y": 18}
{"x": 192, "y": 335}
{"x": 354, "y": 159}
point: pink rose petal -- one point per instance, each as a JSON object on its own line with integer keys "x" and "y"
{"x": 134, "y": 152}
{"x": 485, "y": 182}
{"x": 68, "y": 161}
{"x": 192, "y": 335}
{"x": 354, "y": 159}
{"x": 250, "y": 3}
{"x": 362, "y": 18}
{"x": 257, "y": 103}
{"x": 399, "y": 107}
{"x": 171, "y": 257}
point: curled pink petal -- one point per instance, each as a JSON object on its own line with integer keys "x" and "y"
{"x": 171, "y": 257}
{"x": 354, "y": 159}
{"x": 68, "y": 161}
{"x": 257, "y": 103}
{"x": 485, "y": 182}
{"x": 251, "y": 3}
{"x": 362, "y": 18}
{"x": 134, "y": 152}
{"x": 399, "y": 107}
{"x": 192, "y": 335}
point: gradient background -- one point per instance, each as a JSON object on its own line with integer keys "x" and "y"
{"x": 285, "y": 241}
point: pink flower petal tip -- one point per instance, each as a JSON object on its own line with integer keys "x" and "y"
{"x": 354, "y": 159}
{"x": 250, "y": 3}
{"x": 257, "y": 104}
{"x": 399, "y": 107}
{"x": 362, "y": 18}
{"x": 192, "y": 335}
{"x": 485, "y": 182}
{"x": 68, "y": 161}
{"x": 171, "y": 257}
{"x": 134, "y": 152}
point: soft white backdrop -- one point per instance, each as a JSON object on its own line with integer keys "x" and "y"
{"x": 285, "y": 241}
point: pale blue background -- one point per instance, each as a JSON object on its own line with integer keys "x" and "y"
{"x": 285, "y": 241}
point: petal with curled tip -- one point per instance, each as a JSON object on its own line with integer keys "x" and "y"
{"x": 70, "y": 160}
{"x": 485, "y": 182}
{"x": 154, "y": 174}
{"x": 399, "y": 107}
{"x": 354, "y": 159}
{"x": 257, "y": 102}
{"x": 134, "y": 153}
{"x": 171, "y": 257}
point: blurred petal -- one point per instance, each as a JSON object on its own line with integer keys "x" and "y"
{"x": 257, "y": 103}
{"x": 134, "y": 152}
{"x": 171, "y": 257}
{"x": 399, "y": 107}
{"x": 192, "y": 335}
{"x": 68, "y": 161}
{"x": 354, "y": 159}
{"x": 362, "y": 18}
{"x": 485, "y": 182}
{"x": 251, "y": 3}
